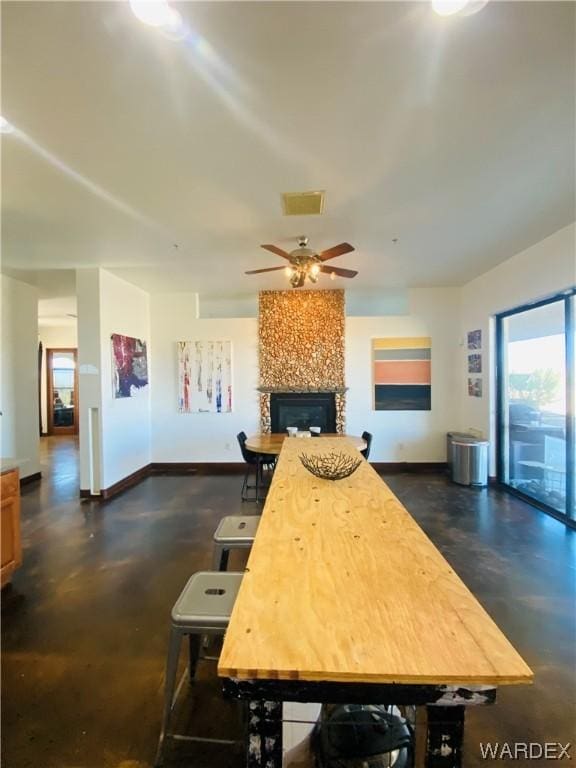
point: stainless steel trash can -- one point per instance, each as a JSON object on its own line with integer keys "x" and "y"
{"x": 469, "y": 462}
{"x": 450, "y": 437}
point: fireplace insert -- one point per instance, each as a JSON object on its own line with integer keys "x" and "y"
{"x": 303, "y": 410}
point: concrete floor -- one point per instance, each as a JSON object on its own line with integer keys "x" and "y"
{"x": 84, "y": 625}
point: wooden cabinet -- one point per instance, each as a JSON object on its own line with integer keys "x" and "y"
{"x": 10, "y": 544}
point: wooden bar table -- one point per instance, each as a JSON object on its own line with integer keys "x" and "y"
{"x": 345, "y": 599}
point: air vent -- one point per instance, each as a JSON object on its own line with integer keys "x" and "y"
{"x": 303, "y": 203}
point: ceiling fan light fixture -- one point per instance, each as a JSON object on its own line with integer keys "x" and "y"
{"x": 315, "y": 270}
{"x": 307, "y": 264}
{"x": 295, "y": 280}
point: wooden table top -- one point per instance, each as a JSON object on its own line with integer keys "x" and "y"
{"x": 343, "y": 585}
{"x": 272, "y": 443}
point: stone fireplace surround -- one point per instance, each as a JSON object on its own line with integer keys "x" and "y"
{"x": 301, "y": 347}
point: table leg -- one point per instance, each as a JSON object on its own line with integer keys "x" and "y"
{"x": 264, "y": 747}
{"x": 258, "y": 478}
{"x": 444, "y": 736}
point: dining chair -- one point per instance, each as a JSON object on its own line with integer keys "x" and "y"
{"x": 367, "y": 437}
{"x": 256, "y": 461}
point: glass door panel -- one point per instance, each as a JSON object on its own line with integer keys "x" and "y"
{"x": 571, "y": 381}
{"x": 533, "y": 404}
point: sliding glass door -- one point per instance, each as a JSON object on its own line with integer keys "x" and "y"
{"x": 536, "y": 383}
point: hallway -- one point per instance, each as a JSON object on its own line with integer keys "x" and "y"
{"x": 85, "y": 623}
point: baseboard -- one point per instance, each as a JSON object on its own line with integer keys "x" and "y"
{"x": 197, "y": 468}
{"x": 172, "y": 468}
{"x": 388, "y": 467}
{"x": 122, "y": 485}
{"x": 165, "y": 468}
{"x": 30, "y": 478}
{"x": 234, "y": 468}
{"x": 86, "y": 494}
{"x": 126, "y": 482}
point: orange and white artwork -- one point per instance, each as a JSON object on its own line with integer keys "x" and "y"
{"x": 402, "y": 374}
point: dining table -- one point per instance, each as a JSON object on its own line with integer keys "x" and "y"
{"x": 346, "y": 600}
{"x": 271, "y": 443}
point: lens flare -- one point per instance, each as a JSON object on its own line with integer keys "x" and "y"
{"x": 5, "y": 126}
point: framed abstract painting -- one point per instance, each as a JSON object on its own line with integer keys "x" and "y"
{"x": 204, "y": 376}
{"x": 129, "y": 366}
{"x": 401, "y": 374}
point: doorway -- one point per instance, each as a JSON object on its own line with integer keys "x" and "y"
{"x": 62, "y": 391}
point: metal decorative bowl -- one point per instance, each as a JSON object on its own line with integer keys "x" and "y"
{"x": 330, "y": 466}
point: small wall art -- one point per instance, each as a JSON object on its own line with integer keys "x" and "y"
{"x": 402, "y": 377}
{"x": 129, "y": 366}
{"x": 475, "y": 339}
{"x": 475, "y": 363}
{"x": 204, "y": 376}
{"x": 475, "y": 387}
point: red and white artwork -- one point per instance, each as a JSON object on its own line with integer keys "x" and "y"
{"x": 204, "y": 376}
{"x": 129, "y": 366}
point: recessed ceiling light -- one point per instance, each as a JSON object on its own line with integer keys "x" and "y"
{"x": 458, "y": 7}
{"x": 154, "y": 13}
{"x": 448, "y": 7}
{"x": 5, "y": 126}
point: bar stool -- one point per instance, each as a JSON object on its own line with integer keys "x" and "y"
{"x": 203, "y": 608}
{"x": 233, "y": 532}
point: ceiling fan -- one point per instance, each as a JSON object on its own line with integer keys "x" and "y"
{"x": 306, "y": 263}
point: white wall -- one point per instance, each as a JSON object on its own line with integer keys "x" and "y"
{"x": 53, "y": 337}
{"x": 199, "y": 437}
{"x": 89, "y": 378}
{"x": 399, "y": 436}
{"x": 136, "y": 431}
{"x": 107, "y": 305}
{"x": 19, "y": 375}
{"x": 124, "y": 309}
{"x": 406, "y": 435}
{"x": 541, "y": 270}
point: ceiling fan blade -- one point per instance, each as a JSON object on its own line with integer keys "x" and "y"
{"x": 339, "y": 271}
{"x": 337, "y": 250}
{"x": 277, "y": 251}
{"x": 258, "y": 271}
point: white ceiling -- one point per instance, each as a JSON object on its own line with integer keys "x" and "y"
{"x": 455, "y": 135}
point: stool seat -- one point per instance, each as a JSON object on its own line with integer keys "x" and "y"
{"x": 233, "y": 532}
{"x": 207, "y": 600}
{"x": 203, "y": 608}
{"x": 237, "y": 530}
